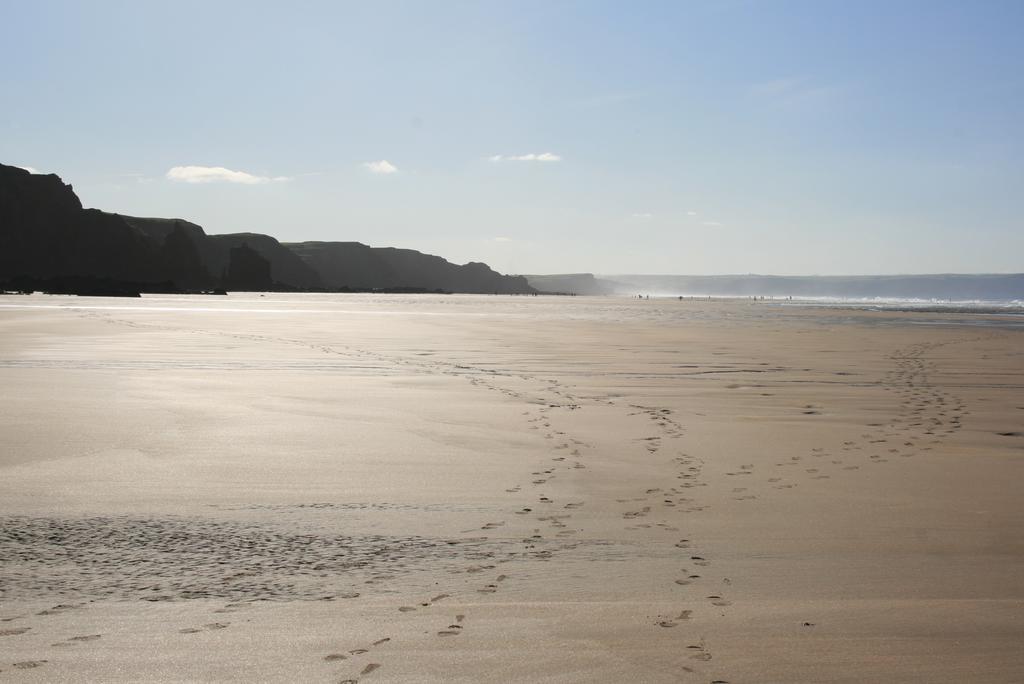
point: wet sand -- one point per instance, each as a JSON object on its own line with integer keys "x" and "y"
{"x": 489, "y": 489}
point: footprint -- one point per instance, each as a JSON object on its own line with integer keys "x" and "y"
{"x": 13, "y": 632}
{"x": 29, "y": 664}
{"x": 370, "y": 668}
{"x": 56, "y": 610}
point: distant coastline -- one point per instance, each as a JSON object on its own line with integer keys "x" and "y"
{"x": 49, "y": 242}
{"x": 993, "y": 289}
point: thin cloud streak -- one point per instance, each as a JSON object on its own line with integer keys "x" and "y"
{"x": 541, "y": 157}
{"x": 777, "y": 87}
{"x": 796, "y": 91}
{"x": 218, "y": 174}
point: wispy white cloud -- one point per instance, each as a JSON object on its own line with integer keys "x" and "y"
{"x": 502, "y": 238}
{"x": 777, "y": 87}
{"x": 29, "y": 169}
{"x": 711, "y": 224}
{"x": 608, "y": 99}
{"x": 643, "y": 215}
{"x": 217, "y": 174}
{"x": 381, "y": 166}
{"x": 691, "y": 213}
{"x": 796, "y": 91}
{"x": 541, "y": 157}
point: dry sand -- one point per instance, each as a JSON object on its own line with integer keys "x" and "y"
{"x": 488, "y": 489}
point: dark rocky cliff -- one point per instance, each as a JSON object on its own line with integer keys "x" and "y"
{"x": 45, "y": 233}
{"x": 355, "y": 266}
{"x": 572, "y": 283}
{"x": 286, "y": 268}
{"x": 46, "y": 236}
{"x": 247, "y": 270}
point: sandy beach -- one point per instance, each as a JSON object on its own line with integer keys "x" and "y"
{"x": 341, "y": 488}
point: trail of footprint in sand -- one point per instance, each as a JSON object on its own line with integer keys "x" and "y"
{"x": 659, "y": 416}
{"x": 903, "y": 434}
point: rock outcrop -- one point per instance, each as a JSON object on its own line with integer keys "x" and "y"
{"x": 287, "y": 270}
{"x": 247, "y": 270}
{"x": 48, "y": 241}
{"x": 355, "y": 266}
{"x": 45, "y": 233}
{"x": 572, "y": 283}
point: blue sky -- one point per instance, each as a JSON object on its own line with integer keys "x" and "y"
{"x": 703, "y": 137}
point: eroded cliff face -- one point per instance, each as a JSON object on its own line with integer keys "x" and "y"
{"x": 356, "y": 266}
{"x": 46, "y": 235}
{"x": 286, "y": 268}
